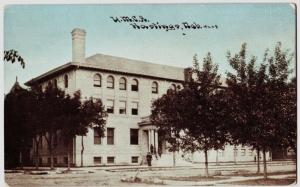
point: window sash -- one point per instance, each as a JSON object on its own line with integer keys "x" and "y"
{"x": 243, "y": 152}
{"x": 66, "y": 81}
{"x": 110, "y": 106}
{"x": 135, "y": 159}
{"x": 134, "y": 85}
{"x": 97, "y": 80}
{"x": 55, "y": 83}
{"x": 110, "y": 160}
{"x": 134, "y": 136}
{"x": 97, "y": 137}
{"x": 122, "y": 107}
{"x": 110, "y": 82}
{"x": 154, "y": 87}
{"x": 122, "y": 84}
{"x": 134, "y": 108}
{"x": 97, "y": 160}
{"x": 110, "y": 136}
{"x": 134, "y": 88}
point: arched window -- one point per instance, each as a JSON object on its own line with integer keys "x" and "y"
{"x": 110, "y": 82}
{"x": 49, "y": 85}
{"x": 154, "y": 87}
{"x": 173, "y": 87}
{"x": 66, "y": 81}
{"x": 122, "y": 83}
{"x": 97, "y": 80}
{"x": 135, "y": 85}
{"x": 55, "y": 83}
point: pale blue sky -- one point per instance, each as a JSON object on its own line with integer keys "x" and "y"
{"x": 41, "y": 34}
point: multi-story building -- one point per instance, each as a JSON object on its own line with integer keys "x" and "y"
{"x": 127, "y": 88}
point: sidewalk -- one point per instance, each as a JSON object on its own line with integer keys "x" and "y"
{"x": 219, "y": 182}
{"x": 212, "y": 166}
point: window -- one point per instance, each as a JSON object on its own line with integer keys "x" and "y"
{"x": 66, "y": 81}
{"x": 235, "y": 151}
{"x": 49, "y": 85}
{"x": 48, "y": 160}
{"x": 110, "y": 160}
{"x": 154, "y": 87}
{"x": 134, "y": 159}
{"x": 135, "y": 85}
{"x": 55, "y": 160}
{"x": 243, "y": 152}
{"x": 97, "y": 137}
{"x": 40, "y": 160}
{"x": 110, "y": 82}
{"x": 110, "y": 136}
{"x": 221, "y": 153}
{"x": 122, "y": 83}
{"x": 65, "y": 160}
{"x": 122, "y": 107}
{"x": 110, "y": 106}
{"x": 134, "y": 136}
{"x": 41, "y": 143}
{"x": 173, "y": 87}
{"x": 55, "y": 83}
{"x": 134, "y": 109}
{"x": 55, "y": 139}
{"x": 250, "y": 152}
{"x": 97, "y": 80}
{"x": 97, "y": 160}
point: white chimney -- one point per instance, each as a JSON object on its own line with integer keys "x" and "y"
{"x": 78, "y": 45}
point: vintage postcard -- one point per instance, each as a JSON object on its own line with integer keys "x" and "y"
{"x": 150, "y": 94}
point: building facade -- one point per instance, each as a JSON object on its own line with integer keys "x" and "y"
{"x": 127, "y": 88}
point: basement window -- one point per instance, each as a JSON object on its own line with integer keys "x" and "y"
{"x": 97, "y": 160}
{"x": 134, "y": 159}
{"x": 110, "y": 160}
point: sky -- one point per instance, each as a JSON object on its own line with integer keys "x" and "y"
{"x": 42, "y": 33}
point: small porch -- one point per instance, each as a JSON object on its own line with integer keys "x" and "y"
{"x": 152, "y": 141}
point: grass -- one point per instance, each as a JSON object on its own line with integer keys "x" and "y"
{"x": 195, "y": 178}
{"x": 259, "y": 182}
{"x": 247, "y": 174}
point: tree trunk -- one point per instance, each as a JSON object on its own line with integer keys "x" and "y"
{"x": 258, "y": 160}
{"x": 234, "y": 154}
{"x": 174, "y": 159}
{"x": 51, "y": 158}
{"x": 50, "y": 148}
{"x": 36, "y": 143}
{"x": 21, "y": 159}
{"x": 206, "y": 163}
{"x": 82, "y": 149}
{"x": 265, "y": 163}
{"x": 217, "y": 157}
{"x": 69, "y": 155}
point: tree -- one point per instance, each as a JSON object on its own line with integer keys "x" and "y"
{"x": 207, "y": 127}
{"x": 193, "y": 117}
{"x": 245, "y": 91}
{"x": 252, "y": 92}
{"x": 165, "y": 116}
{"x": 79, "y": 117}
{"x": 13, "y": 56}
{"x": 18, "y": 129}
{"x": 52, "y": 116}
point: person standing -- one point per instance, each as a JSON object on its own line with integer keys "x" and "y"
{"x": 149, "y": 158}
{"x": 151, "y": 149}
